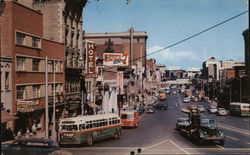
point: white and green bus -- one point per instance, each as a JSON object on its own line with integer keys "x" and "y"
{"x": 87, "y": 129}
{"x": 241, "y": 109}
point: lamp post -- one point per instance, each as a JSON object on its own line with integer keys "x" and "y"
{"x": 82, "y": 84}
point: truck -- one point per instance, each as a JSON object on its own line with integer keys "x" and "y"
{"x": 201, "y": 129}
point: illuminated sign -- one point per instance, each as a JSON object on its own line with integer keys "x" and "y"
{"x": 115, "y": 59}
{"x": 90, "y": 47}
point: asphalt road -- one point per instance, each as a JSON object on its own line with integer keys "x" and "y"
{"x": 156, "y": 135}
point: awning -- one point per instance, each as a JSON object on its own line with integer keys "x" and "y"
{"x": 93, "y": 105}
{"x": 5, "y": 117}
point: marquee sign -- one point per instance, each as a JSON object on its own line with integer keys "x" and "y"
{"x": 115, "y": 59}
{"x": 90, "y": 47}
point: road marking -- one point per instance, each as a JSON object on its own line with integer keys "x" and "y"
{"x": 232, "y": 138}
{"x": 220, "y": 147}
{"x": 102, "y": 148}
{"x": 234, "y": 129}
{"x": 248, "y": 143}
{"x": 154, "y": 145}
{"x": 179, "y": 147}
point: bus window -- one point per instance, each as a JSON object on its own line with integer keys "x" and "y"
{"x": 82, "y": 127}
{"x": 69, "y": 127}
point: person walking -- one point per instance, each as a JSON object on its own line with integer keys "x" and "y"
{"x": 33, "y": 129}
{"x": 27, "y": 132}
{"x": 19, "y": 133}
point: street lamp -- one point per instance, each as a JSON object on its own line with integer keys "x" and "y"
{"x": 82, "y": 84}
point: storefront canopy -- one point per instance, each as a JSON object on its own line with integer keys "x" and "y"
{"x": 5, "y": 117}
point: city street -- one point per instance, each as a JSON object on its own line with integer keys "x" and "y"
{"x": 156, "y": 134}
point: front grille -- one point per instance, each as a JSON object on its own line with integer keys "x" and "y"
{"x": 212, "y": 132}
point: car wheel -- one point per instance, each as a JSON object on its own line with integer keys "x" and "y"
{"x": 222, "y": 142}
{"x": 90, "y": 140}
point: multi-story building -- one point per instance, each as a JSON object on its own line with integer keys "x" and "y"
{"x": 130, "y": 46}
{"x": 62, "y": 22}
{"x": 211, "y": 69}
{"x": 22, "y": 43}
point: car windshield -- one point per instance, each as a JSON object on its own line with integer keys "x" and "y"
{"x": 221, "y": 109}
{"x": 207, "y": 121}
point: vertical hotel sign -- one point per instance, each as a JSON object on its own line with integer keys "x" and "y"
{"x": 90, "y": 46}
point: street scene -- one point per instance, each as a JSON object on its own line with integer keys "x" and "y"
{"x": 125, "y": 77}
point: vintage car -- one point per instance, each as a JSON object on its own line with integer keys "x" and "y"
{"x": 31, "y": 146}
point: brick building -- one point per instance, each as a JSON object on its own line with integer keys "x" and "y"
{"x": 23, "y": 44}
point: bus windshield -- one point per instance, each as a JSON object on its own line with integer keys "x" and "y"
{"x": 127, "y": 116}
{"x": 69, "y": 128}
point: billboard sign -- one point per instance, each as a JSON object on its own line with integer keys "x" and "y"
{"x": 115, "y": 59}
{"x": 90, "y": 47}
{"x": 25, "y": 106}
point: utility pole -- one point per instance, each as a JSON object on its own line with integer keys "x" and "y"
{"x": 54, "y": 97}
{"x": 46, "y": 99}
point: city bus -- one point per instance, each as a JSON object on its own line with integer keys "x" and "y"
{"x": 130, "y": 118}
{"x": 87, "y": 129}
{"x": 242, "y": 109}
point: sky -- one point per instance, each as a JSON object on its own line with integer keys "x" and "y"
{"x": 169, "y": 21}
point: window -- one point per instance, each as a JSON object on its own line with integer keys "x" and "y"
{"x": 36, "y": 42}
{"x": 21, "y": 92}
{"x": 36, "y": 91}
{"x": 20, "y": 64}
{"x": 7, "y": 80}
{"x": 35, "y": 64}
{"x": 20, "y": 38}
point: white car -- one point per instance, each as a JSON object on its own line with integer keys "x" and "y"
{"x": 212, "y": 109}
{"x": 221, "y": 112}
{"x": 186, "y": 100}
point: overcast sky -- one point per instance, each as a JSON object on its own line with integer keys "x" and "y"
{"x": 169, "y": 21}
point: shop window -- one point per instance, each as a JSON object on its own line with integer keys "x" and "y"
{"x": 35, "y": 64}
{"x": 20, "y": 64}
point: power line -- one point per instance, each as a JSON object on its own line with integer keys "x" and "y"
{"x": 179, "y": 42}
{"x": 188, "y": 38}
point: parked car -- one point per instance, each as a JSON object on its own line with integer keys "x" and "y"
{"x": 201, "y": 108}
{"x": 212, "y": 109}
{"x": 150, "y": 109}
{"x": 182, "y": 122}
{"x": 221, "y": 112}
{"x": 186, "y": 100}
{"x": 31, "y": 146}
{"x": 140, "y": 110}
{"x": 161, "y": 106}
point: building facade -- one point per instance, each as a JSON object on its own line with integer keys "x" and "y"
{"x": 23, "y": 43}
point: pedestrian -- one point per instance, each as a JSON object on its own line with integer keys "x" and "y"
{"x": 57, "y": 130}
{"x": 27, "y": 132}
{"x": 19, "y": 133}
{"x": 33, "y": 129}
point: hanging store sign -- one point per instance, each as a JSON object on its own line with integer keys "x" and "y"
{"x": 115, "y": 59}
{"x": 90, "y": 47}
{"x": 25, "y": 106}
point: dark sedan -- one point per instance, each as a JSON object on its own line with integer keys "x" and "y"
{"x": 160, "y": 106}
{"x": 33, "y": 146}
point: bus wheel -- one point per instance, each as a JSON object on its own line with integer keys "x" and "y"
{"x": 117, "y": 134}
{"x": 90, "y": 140}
